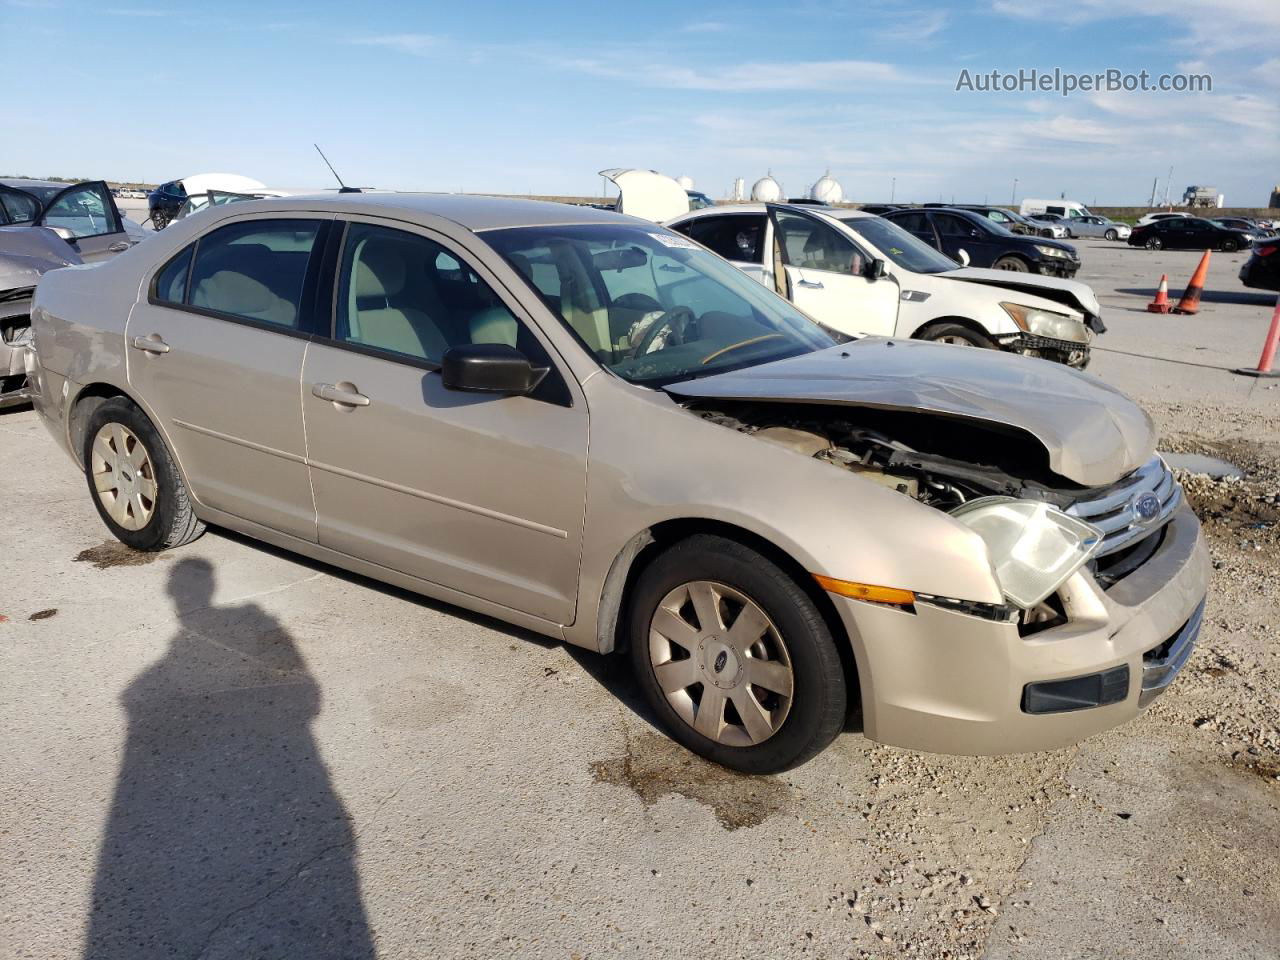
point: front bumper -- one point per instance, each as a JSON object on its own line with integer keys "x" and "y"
{"x": 13, "y": 377}
{"x": 1071, "y": 352}
{"x": 946, "y": 682}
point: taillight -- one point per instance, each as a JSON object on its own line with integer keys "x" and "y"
{"x": 1265, "y": 251}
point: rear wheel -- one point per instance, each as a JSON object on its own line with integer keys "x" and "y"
{"x": 957, "y": 334}
{"x": 1154, "y": 243}
{"x": 1230, "y": 246}
{"x": 133, "y": 480}
{"x": 1016, "y": 264}
{"x": 734, "y": 657}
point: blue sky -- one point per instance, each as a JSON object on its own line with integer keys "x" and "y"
{"x": 537, "y": 97}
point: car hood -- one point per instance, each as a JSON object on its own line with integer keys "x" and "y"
{"x": 27, "y": 253}
{"x": 1093, "y": 434}
{"x": 1069, "y": 293}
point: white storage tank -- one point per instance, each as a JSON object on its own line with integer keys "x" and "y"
{"x": 827, "y": 190}
{"x": 766, "y": 190}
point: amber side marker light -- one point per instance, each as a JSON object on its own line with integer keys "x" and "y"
{"x": 865, "y": 591}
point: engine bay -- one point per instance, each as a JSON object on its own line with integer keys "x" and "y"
{"x": 943, "y": 462}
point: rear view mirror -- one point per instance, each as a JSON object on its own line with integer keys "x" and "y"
{"x": 489, "y": 368}
{"x": 621, "y": 258}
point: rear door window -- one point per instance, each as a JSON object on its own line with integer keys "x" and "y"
{"x": 735, "y": 237}
{"x": 254, "y": 271}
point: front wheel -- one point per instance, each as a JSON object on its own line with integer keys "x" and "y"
{"x": 1229, "y": 246}
{"x": 1016, "y": 264}
{"x": 957, "y": 334}
{"x": 133, "y": 480}
{"x": 1154, "y": 243}
{"x": 735, "y": 658}
{"x": 1111, "y": 235}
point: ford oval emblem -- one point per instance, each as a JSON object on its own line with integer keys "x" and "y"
{"x": 1146, "y": 507}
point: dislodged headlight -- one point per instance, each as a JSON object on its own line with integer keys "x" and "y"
{"x": 1033, "y": 546}
{"x": 1049, "y": 251}
{"x": 1044, "y": 323}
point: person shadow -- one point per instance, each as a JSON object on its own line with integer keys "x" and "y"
{"x": 225, "y": 838}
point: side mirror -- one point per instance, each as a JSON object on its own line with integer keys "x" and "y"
{"x": 963, "y": 257}
{"x": 975, "y": 232}
{"x": 874, "y": 270}
{"x": 489, "y": 368}
{"x": 65, "y": 234}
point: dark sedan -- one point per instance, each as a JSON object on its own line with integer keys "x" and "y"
{"x": 986, "y": 243}
{"x": 1262, "y": 270}
{"x": 1189, "y": 233}
{"x": 164, "y": 202}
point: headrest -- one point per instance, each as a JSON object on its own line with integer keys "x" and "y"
{"x": 234, "y": 293}
{"x": 380, "y": 268}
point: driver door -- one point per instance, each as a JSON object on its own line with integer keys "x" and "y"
{"x": 827, "y": 275}
{"x": 89, "y": 213}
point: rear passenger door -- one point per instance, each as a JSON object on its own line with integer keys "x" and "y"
{"x": 215, "y": 354}
{"x": 481, "y": 494}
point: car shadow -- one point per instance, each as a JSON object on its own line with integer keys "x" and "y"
{"x": 225, "y": 837}
{"x": 1211, "y": 296}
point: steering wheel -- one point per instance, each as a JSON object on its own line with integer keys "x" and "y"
{"x": 678, "y": 320}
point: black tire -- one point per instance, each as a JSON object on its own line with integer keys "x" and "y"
{"x": 1230, "y": 246}
{"x": 1111, "y": 235}
{"x": 1016, "y": 264}
{"x": 819, "y": 694}
{"x": 1154, "y": 243}
{"x": 1070, "y": 235}
{"x": 951, "y": 332}
{"x": 173, "y": 521}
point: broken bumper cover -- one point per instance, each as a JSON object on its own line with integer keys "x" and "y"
{"x": 1071, "y": 352}
{"x": 946, "y": 682}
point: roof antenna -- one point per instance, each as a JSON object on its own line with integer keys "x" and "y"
{"x": 342, "y": 187}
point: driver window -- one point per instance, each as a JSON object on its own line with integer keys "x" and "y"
{"x": 83, "y": 211}
{"x": 811, "y": 245}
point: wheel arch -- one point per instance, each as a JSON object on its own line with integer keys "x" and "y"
{"x": 81, "y": 407}
{"x": 645, "y": 546}
{"x": 966, "y": 322}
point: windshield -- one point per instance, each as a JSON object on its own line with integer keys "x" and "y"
{"x": 901, "y": 247}
{"x": 653, "y": 306}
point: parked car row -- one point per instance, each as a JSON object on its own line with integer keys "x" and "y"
{"x": 594, "y": 428}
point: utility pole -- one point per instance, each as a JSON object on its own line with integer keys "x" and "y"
{"x": 893, "y": 188}
{"x": 1013, "y": 197}
{"x": 1155, "y": 183}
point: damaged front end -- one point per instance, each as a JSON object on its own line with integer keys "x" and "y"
{"x": 26, "y": 254}
{"x": 959, "y": 467}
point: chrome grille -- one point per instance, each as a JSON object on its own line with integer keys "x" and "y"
{"x": 1113, "y": 513}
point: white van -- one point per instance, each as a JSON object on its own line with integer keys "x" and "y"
{"x": 1067, "y": 209}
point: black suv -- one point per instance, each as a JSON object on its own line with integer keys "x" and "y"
{"x": 164, "y": 202}
{"x": 987, "y": 243}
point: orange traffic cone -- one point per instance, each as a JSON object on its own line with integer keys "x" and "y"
{"x": 1268, "y": 349}
{"x": 1161, "y": 303}
{"x": 1190, "y": 302}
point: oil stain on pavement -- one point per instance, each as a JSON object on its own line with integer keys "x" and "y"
{"x": 654, "y": 766}
{"x": 114, "y": 554}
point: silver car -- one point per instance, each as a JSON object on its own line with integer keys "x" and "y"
{"x": 1091, "y": 226}
{"x": 84, "y": 214}
{"x": 592, "y": 427}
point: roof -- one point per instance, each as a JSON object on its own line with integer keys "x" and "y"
{"x": 840, "y": 213}
{"x": 474, "y": 212}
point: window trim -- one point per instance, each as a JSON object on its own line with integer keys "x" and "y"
{"x": 306, "y": 328}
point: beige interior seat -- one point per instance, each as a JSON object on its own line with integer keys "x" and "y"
{"x": 231, "y": 292}
{"x": 377, "y": 314}
{"x": 495, "y": 325}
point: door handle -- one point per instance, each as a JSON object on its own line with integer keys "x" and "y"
{"x": 811, "y": 284}
{"x": 151, "y": 344}
{"x": 344, "y": 394}
{"x": 119, "y": 246}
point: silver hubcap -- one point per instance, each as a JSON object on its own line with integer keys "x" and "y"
{"x": 123, "y": 476}
{"x": 721, "y": 663}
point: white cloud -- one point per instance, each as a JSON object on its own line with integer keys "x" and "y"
{"x": 915, "y": 26}
{"x": 1211, "y": 26}
{"x": 834, "y": 75}
{"x": 415, "y": 44}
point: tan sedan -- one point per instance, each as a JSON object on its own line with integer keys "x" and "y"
{"x": 594, "y": 428}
